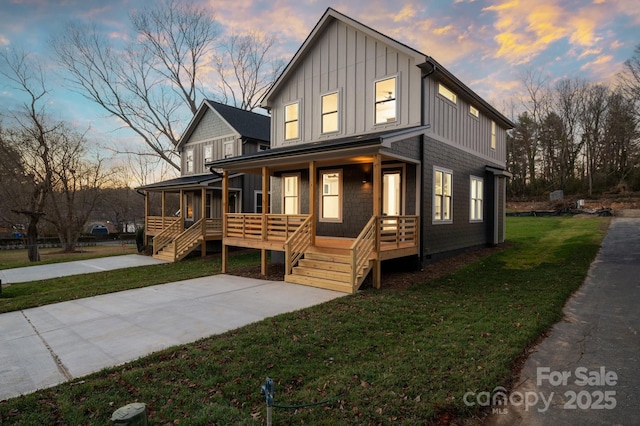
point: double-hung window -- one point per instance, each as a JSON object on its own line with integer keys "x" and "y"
{"x": 228, "y": 149}
{"x": 331, "y": 196}
{"x": 291, "y": 194}
{"x": 475, "y": 208}
{"x": 386, "y": 109}
{"x": 208, "y": 153}
{"x": 292, "y": 121}
{"x": 188, "y": 160}
{"x": 442, "y": 196}
{"x": 330, "y": 113}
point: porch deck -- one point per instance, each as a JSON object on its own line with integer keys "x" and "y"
{"x": 335, "y": 263}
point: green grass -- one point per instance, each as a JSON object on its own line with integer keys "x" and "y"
{"x": 391, "y": 357}
{"x": 37, "y": 293}
{"x": 19, "y": 258}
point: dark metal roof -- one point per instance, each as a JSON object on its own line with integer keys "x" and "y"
{"x": 249, "y": 124}
{"x": 351, "y": 142}
{"x": 190, "y": 180}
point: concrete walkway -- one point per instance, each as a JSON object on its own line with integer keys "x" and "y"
{"x": 55, "y": 270}
{"x": 44, "y": 346}
{"x": 587, "y": 371}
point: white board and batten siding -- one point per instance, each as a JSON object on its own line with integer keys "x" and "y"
{"x": 348, "y": 61}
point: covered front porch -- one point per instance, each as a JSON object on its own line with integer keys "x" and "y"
{"x": 332, "y": 254}
{"x": 187, "y": 215}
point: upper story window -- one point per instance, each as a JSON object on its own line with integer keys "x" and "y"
{"x": 330, "y": 113}
{"x": 228, "y": 149}
{"x": 474, "y": 111}
{"x": 446, "y": 93}
{"x": 188, "y": 160}
{"x": 208, "y": 153}
{"x": 386, "y": 105}
{"x": 291, "y": 194}
{"x": 493, "y": 135}
{"x": 442, "y": 196}
{"x": 292, "y": 121}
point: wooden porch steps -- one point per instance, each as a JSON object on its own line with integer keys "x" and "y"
{"x": 325, "y": 270}
{"x": 168, "y": 253}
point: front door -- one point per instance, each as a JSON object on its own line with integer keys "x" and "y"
{"x": 392, "y": 192}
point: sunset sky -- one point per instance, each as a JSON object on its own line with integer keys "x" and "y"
{"x": 488, "y": 44}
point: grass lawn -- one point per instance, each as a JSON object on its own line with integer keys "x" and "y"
{"x": 37, "y": 293}
{"x": 380, "y": 356}
{"x": 18, "y": 258}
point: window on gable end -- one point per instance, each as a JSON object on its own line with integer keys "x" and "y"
{"x": 386, "y": 103}
{"x": 208, "y": 153}
{"x": 292, "y": 121}
{"x": 228, "y": 149}
{"x": 188, "y": 160}
{"x": 330, "y": 113}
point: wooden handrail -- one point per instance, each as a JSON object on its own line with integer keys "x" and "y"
{"x": 398, "y": 230}
{"x": 362, "y": 248}
{"x": 296, "y": 244}
{"x": 183, "y": 241}
{"x": 165, "y": 237}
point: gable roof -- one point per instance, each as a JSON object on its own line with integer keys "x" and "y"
{"x": 424, "y": 61}
{"x": 247, "y": 124}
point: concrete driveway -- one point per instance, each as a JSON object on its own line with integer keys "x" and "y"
{"x": 586, "y": 371}
{"x": 55, "y": 270}
{"x": 44, "y": 346}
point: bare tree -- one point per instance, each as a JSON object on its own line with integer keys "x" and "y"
{"x": 151, "y": 83}
{"x": 75, "y": 188}
{"x": 29, "y": 142}
{"x": 630, "y": 78}
{"x": 246, "y": 69}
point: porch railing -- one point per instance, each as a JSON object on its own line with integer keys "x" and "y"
{"x": 398, "y": 232}
{"x": 157, "y": 224}
{"x": 213, "y": 226}
{"x": 362, "y": 248}
{"x": 277, "y": 227}
{"x": 165, "y": 237}
{"x": 297, "y": 244}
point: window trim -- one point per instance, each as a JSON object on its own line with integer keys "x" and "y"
{"x": 224, "y": 147}
{"x": 204, "y": 153}
{"x": 337, "y": 112}
{"x": 434, "y": 221}
{"x": 396, "y": 119}
{"x": 297, "y": 120}
{"x": 340, "y": 196}
{"x": 493, "y": 135}
{"x": 473, "y": 180}
{"x": 188, "y": 160}
{"x": 297, "y": 196}
{"x": 447, "y": 94}
{"x": 257, "y": 192}
{"x": 475, "y": 112}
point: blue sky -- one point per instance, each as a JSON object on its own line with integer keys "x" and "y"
{"x": 488, "y": 44}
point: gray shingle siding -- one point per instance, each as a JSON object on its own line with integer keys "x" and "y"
{"x": 445, "y": 237}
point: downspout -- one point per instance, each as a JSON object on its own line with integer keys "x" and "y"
{"x": 422, "y": 190}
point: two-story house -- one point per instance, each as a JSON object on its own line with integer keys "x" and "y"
{"x": 216, "y": 131}
{"x": 378, "y": 152}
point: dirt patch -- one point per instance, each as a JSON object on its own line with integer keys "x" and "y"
{"x": 396, "y": 280}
